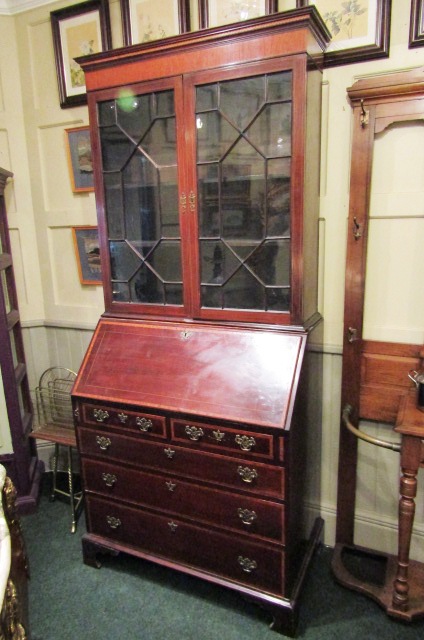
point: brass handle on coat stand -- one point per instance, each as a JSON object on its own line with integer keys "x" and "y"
{"x": 363, "y": 436}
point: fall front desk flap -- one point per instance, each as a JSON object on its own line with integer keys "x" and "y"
{"x": 236, "y": 374}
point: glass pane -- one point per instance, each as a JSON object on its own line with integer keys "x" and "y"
{"x": 159, "y": 142}
{"x": 117, "y": 148}
{"x": 141, "y": 201}
{"x": 243, "y": 193}
{"x": 168, "y": 195}
{"x": 123, "y": 261}
{"x": 107, "y": 113}
{"x": 214, "y": 136}
{"x": 134, "y": 114}
{"x": 278, "y": 197}
{"x": 244, "y": 184}
{"x": 243, "y": 291}
{"x": 165, "y": 103}
{"x": 208, "y": 194}
{"x": 271, "y": 131}
{"x": 146, "y": 287}
{"x": 279, "y": 86}
{"x": 241, "y": 99}
{"x": 270, "y": 263}
{"x": 114, "y": 205}
{"x": 120, "y": 292}
{"x": 166, "y": 262}
{"x": 218, "y": 262}
{"x": 207, "y": 97}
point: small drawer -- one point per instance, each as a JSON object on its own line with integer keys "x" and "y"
{"x": 256, "y": 565}
{"x": 217, "y": 437}
{"x": 138, "y": 422}
{"x": 244, "y": 475}
{"x": 252, "y": 516}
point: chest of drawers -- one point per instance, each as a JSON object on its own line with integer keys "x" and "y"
{"x": 203, "y": 472}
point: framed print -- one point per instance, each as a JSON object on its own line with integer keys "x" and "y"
{"x": 78, "y": 30}
{"x": 360, "y": 29}
{"x": 80, "y": 163}
{"x": 87, "y": 252}
{"x": 416, "y": 27}
{"x": 214, "y": 13}
{"x": 146, "y": 20}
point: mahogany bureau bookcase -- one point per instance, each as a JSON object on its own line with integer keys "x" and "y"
{"x": 191, "y": 402}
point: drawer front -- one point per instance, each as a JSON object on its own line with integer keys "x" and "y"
{"x": 169, "y": 493}
{"x": 256, "y": 565}
{"x": 217, "y": 437}
{"x": 235, "y": 473}
{"x": 143, "y": 423}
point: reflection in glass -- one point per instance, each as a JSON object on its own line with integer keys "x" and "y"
{"x": 140, "y": 177}
{"x": 243, "y": 169}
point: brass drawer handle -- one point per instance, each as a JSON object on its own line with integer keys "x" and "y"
{"x": 218, "y": 435}
{"x": 170, "y": 453}
{"x": 173, "y": 526}
{"x": 104, "y": 443}
{"x": 194, "y": 433}
{"x": 246, "y": 443}
{"x": 122, "y": 417}
{"x": 100, "y": 415}
{"x": 109, "y": 479}
{"x": 247, "y": 564}
{"x": 113, "y": 522}
{"x": 247, "y": 516}
{"x": 144, "y": 424}
{"x": 247, "y": 474}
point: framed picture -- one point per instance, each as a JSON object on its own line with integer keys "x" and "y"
{"x": 78, "y": 30}
{"x": 80, "y": 163}
{"x": 146, "y": 20}
{"x": 87, "y": 252}
{"x": 214, "y": 13}
{"x": 360, "y": 29}
{"x": 416, "y": 27}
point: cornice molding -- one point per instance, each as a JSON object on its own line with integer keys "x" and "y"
{"x": 11, "y": 7}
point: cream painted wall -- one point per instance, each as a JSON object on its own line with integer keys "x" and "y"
{"x": 59, "y": 313}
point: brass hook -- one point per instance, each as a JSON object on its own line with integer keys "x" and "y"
{"x": 364, "y": 117}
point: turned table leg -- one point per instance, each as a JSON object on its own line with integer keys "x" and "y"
{"x": 410, "y": 462}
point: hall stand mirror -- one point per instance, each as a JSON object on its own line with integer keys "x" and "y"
{"x": 195, "y": 398}
{"x": 375, "y": 383}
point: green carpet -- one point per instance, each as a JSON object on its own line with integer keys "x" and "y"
{"x": 135, "y": 600}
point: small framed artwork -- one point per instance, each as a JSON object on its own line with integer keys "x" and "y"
{"x": 214, "y": 13}
{"x": 147, "y": 20}
{"x": 80, "y": 163}
{"x": 87, "y": 252}
{"x": 360, "y": 29}
{"x": 78, "y": 30}
{"x": 416, "y": 27}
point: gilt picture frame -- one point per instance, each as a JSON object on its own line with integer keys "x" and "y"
{"x": 78, "y": 30}
{"x": 78, "y": 149}
{"x": 87, "y": 253}
{"x": 146, "y": 20}
{"x": 416, "y": 27}
{"x": 216, "y": 13}
{"x": 360, "y": 29}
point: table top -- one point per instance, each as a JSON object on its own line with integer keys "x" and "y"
{"x": 410, "y": 420}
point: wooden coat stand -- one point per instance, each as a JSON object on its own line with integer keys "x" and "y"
{"x": 375, "y": 374}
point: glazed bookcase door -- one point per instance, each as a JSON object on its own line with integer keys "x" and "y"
{"x": 244, "y": 154}
{"x": 141, "y": 177}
